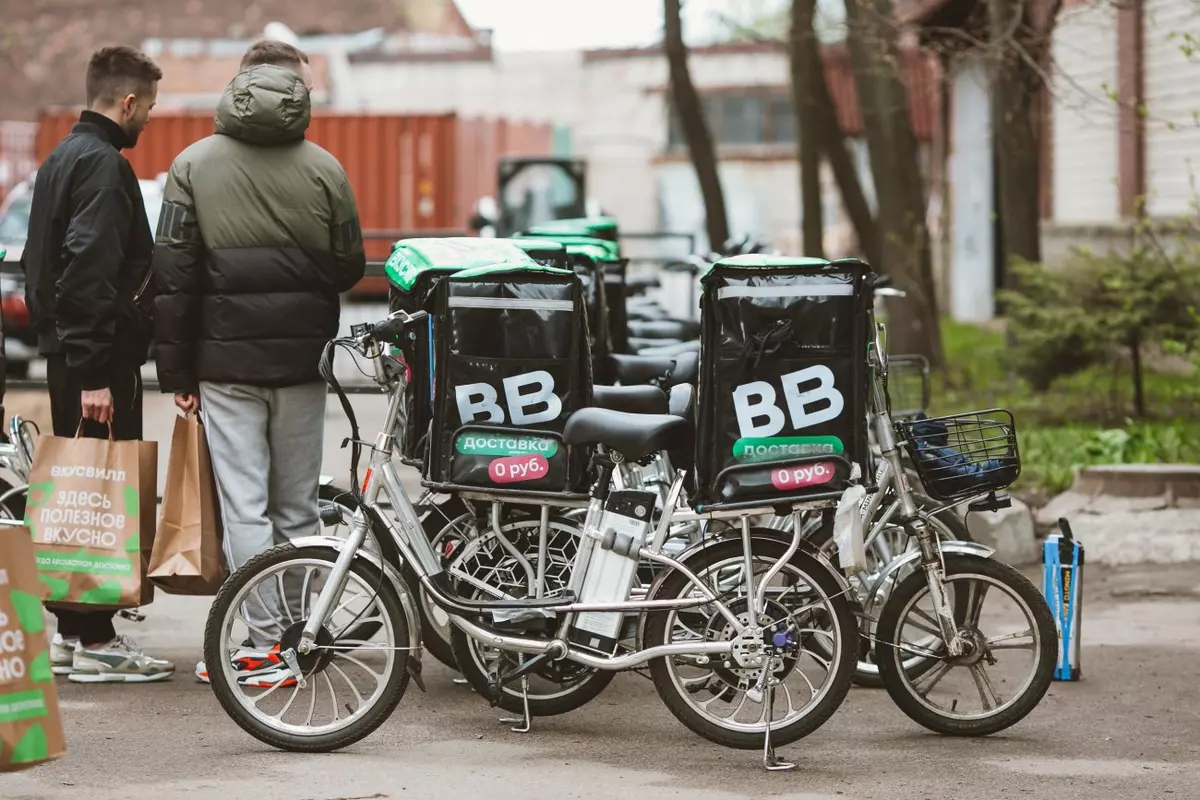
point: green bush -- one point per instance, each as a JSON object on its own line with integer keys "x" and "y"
{"x": 1093, "y": 308}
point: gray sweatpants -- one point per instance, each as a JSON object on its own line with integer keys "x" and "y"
{"x": 266, "y": 454}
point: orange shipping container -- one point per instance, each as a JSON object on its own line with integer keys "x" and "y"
{"x": 409, "y": 173}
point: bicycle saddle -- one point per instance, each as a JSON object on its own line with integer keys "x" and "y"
{"x": 641, "y": 369}
{"x": 634, "y": 436}
{"x": 682, "y": 402}
{"x": 664, "y": 329}
{"x": 633, "y": 399}
{"x": 687, "y": 368}
{"x": 671, "y": 350}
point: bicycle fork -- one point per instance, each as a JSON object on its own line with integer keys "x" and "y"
{"x": 927, "y": 540}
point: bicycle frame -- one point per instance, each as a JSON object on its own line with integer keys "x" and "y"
{"x": 415, "y": 549}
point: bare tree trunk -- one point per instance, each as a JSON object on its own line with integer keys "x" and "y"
{"x": 895, "y": 164}
{"x": 1015, "y": 83}
{"x": 695, "y": 127}
{"x": 845, "y": 173}
{"x": 806, "y": 72}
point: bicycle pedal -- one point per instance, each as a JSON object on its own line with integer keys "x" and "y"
{"x": 133, "y": 615}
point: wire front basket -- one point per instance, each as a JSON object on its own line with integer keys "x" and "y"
{"x": 907, "y": 386}
{"x": 964, "y": 455}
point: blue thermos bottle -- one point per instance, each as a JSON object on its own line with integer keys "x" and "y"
{"x": 1062, "y": 560}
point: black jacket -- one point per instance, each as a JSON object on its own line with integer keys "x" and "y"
{"x": 88, "y": 254}
{"x": 259, "y": 235}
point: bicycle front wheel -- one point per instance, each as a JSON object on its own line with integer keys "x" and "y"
{"x": 1011, "y": 649}
{"x": 351, "y": 682}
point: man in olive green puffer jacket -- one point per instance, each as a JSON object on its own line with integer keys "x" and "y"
{"x": 259, "y": 234}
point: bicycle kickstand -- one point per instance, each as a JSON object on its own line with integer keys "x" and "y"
{"x": 770, "y": 760}
{"x": 521, "y": 724}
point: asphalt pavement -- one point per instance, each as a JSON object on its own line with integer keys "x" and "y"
{"x": 1130, "y": 730}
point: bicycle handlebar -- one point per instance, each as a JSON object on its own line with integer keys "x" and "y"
{"x": 386, "y": 331}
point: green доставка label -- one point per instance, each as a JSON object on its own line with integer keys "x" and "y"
{"x": 499, "y": 444}
{"x": 776, "y": 448}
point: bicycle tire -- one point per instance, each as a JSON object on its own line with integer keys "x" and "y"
{"x": 840, "y": 681}
{"x": 214, "y": 652}
{"x": 894, "y": 680}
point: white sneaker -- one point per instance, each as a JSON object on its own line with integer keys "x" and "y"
{"x": 62, "y": 654}
{"x": 118, "y": 661}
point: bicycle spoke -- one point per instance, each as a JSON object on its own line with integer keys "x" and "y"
{"x": 288, "y": 704}
{"x": 931, "y": 679}
{"x": 361, "y": 665}
{"x": 357, "y": 695}
{"x": 1005, "y": 641}
{"x": 975, "y": 597}
{"x": 271, "y": 637}
{"x": 271, "y": 691}
{"x": 332, "y": 696}
{"x": 932, "y": 628}
{"x": 987, "y": 692}
{"x": 305, "y": 590}
{"x": 283, "y": 600}
{"x": 312, "y": 706}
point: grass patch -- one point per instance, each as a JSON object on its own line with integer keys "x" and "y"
{"x": 1083, "y": 419}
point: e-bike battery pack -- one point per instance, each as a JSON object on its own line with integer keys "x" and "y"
{"x": 611, "y": 567}
{"x": 1062, "y": 570}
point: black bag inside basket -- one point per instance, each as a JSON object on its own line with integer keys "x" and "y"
{"x": 415, "y": 267}
{"x": 783, "y": 379}
{"x": 512, "y": 362}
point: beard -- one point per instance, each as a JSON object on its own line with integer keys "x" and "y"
{"x": 132, "y": 132}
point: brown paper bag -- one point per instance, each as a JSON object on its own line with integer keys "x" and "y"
{"x": 31, "y": 729}
{"x": 187, "y": 547}
{"x": 90, "y": 510}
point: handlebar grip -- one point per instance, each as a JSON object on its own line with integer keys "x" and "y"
{"x": 390, "y": 329}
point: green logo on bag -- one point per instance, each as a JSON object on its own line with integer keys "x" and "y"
{"x": 59, "y": 587}
{"x": 780, "y": 448}
{"x": 29, "y": 611}
{"x": 498, "y": 444}
{"x": 131, "y": 501}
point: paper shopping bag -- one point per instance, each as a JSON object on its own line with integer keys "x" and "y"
{"x": 90, "y": 510}
{"x": 30, "y": 724}
{"x": 187, "y": 547}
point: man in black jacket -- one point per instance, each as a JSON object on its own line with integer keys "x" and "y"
{"x": 87, "y": 269}
{"x": 259, "y": 234}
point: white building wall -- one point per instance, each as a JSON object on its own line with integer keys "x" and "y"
{"x": 1085, "y": 130}
{"x": 1173, "y": 107}
{"x": 617, "y": 113}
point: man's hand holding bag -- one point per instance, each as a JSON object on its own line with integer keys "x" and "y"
{"x": 187, "y": 548}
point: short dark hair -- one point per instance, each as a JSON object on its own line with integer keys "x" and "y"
{"x": 269, "y": 51}
{"x": 117, "y": 71}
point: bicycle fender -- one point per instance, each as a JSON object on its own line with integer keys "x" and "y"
{"x": 900, "y": 562}
{"x": 756, "y": 534}
{"x": 393, "y": 576}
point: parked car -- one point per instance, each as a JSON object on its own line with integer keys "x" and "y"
{"x": 20, "y": 340}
